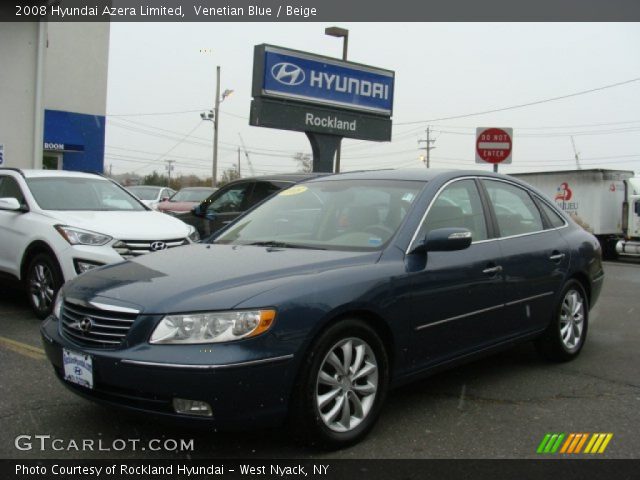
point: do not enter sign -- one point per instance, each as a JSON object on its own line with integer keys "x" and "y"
{"x": 493, "y": 145}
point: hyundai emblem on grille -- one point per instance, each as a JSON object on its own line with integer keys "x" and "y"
{"x": 155, "y": 246}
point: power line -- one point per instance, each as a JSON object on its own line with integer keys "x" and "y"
{"x": 522, "y": 105}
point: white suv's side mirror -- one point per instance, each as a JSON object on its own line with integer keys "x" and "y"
{"x": 10, "y": 203}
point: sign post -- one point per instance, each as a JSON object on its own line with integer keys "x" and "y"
{"x": 326, "y": 98}
{"x": 494, "y": 145}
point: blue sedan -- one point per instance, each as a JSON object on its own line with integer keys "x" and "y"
{"x": 311, "y": 306}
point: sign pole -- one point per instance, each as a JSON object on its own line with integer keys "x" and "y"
{"x": 324, "y": 149}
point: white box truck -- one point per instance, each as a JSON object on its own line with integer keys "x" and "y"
{"x": 605, "y": 202}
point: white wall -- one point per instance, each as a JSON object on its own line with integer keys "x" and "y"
{"x": 18, "y": 58}
{"x": 76, "y": 67}
{"x": 75, "y": 79}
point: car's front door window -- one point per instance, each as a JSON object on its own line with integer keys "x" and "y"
{"x": 457, "y": 206}
{"x": 231, "y": 200}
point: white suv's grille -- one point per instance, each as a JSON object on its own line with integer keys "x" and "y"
{"x": 133, "y": 248}
{"x": 94, "y": 327}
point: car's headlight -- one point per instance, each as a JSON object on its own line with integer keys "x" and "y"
{"x": 57, "y": 306}
{"x": 78, "y": 236}
{"x": 212, "y": 327}
{"x": 194, "y": 236}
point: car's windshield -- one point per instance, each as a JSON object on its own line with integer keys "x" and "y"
{"x": 58, "y": 193}
{"x": 328, "y": 214}
{"x": 192, "y": 195}
{"x": 145, "y": 193}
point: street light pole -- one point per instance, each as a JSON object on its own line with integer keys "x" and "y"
{"x": 344, "y": 33}
{"x": 216, "y": 110}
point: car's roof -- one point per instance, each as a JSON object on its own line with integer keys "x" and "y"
{"x": 198, "y": 188}
{"x": 284, "y": 177}
{"x": 419, "y": 174}
{"x": 145, "y": 186}
{"x": 33, "y": 173}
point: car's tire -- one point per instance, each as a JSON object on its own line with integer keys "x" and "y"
{"x": 42, "y": 282}
{"x": 567, "y": 332}
{"x": 332, "y": 407}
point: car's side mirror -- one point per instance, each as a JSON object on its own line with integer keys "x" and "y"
{"x": 447, "y": 240}
{"x": 197, "y": 210}
{"x": 10, "y": 203}
{"x": 444, "y": 240}
{"x": 164, "y": 199}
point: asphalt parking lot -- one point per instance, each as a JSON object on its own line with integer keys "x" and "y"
{"x": 499, "y": 407}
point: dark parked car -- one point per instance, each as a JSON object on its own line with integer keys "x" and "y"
{"x": 313, "y": 304}
{"x": 185, "y": 199}
{"x": 233, "y": 199}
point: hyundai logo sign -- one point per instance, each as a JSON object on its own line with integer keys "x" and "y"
{"x": 304, "y": 77}
{"x": 156, "y": 246}
{"x": 288, "y": 73}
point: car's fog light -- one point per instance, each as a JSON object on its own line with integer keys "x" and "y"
{"x": 192, "y": 407}
{"x": 84, "y": 265}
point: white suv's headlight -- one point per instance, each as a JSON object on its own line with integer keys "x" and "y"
{"x": 212, "y": 327}
{"x": 78, "y": 236}
{"x": 194, "y": 236}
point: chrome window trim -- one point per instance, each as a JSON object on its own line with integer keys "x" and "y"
{"x": 482, "y": 177}
{"x": 426, "y": 212}
{"x": 261, "y": 361}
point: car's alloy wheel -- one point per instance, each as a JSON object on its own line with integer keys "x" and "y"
{"x": 347, "y": 384}
{"x": 572, "y": 319}
{"x": 567, "y": 332}
{"x": 341, "y": 386}
{"x": 43, "y": 281}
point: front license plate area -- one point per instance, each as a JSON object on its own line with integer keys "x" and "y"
{"x": 78, "y": 368}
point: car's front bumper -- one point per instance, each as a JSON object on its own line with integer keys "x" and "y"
{"x": 243, "y": 393}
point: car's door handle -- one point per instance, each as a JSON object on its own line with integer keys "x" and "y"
{"x": 556, "y": 257}
{"x": 492, "y": 270}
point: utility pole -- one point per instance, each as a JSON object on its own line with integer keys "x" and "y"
{"x": 216, "y": 110}
{"x": 576, "y": 154}
{"x": 169, "y": 168}
{"x": 427, "y": 148}
{"x": 239, "y": 175}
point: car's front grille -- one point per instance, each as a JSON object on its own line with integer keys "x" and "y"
{"x": 94, "y": 327}
{"x": 133, "y": 248}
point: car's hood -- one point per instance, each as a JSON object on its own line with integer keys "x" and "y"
{"x": 142, "y": 225}
{"x": 176, "y": 206}
{"x": 200, "y": 277}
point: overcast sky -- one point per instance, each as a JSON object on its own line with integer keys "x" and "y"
{"x": 162, "y": 75}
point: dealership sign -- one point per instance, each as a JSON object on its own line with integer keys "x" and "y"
{"x": 62, "y": 147}
{"x": 317, "y": 119}
{"x": 304, "y": 77}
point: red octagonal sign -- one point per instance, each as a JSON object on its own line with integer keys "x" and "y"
{"x": 493, "y": 145}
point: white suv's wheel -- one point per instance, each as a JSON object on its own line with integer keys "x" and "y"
{"x": 43, "y": 281}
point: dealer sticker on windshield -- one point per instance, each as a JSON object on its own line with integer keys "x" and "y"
{"x": 78, "y": 368}
{"x": 298, "y": 189}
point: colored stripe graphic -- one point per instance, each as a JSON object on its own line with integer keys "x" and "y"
{"x": 573, "y": 443}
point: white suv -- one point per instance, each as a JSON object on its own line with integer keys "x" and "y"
{"x": 55, "y": 225}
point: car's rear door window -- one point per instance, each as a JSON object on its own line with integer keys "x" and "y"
{"x": 515, "y": 210}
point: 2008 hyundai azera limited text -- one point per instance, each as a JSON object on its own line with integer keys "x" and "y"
{"x": 310, "y": 306}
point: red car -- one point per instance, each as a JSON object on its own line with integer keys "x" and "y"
{"x": 185, "y": 199}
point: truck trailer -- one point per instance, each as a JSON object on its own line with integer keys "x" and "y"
{"x": 605, "y": 202}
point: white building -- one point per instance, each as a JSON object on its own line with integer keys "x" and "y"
{"x": 53, "y": 94}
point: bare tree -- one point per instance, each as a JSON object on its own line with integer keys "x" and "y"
{"x": 304, "y": 161}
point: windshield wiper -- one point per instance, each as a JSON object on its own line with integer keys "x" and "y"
{"x": 278, "y": 244}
